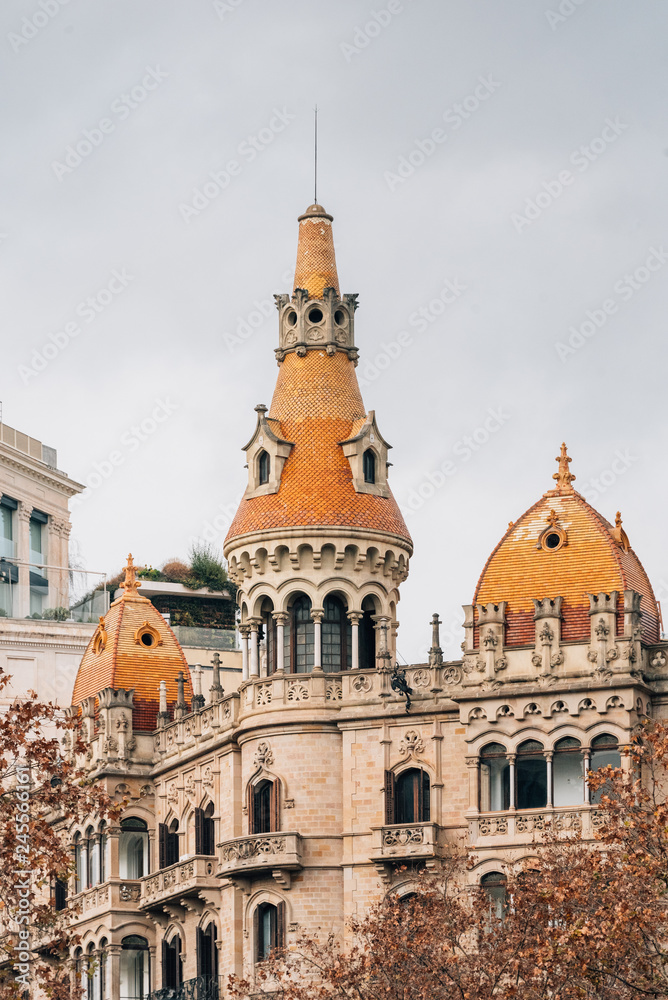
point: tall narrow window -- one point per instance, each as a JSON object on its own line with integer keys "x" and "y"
{"x": 336, "y": 636}
{"x": 269, "y": 927}
{"x": 102, "y": 852}
{"x": 60, "y": 894}
{"x": 204, "y": 830}
{"x": 39, "y": 587}
{"x": 530, "y": 776}
{"x": 9, "y": 574}
{"x": 303, "y": 636}
{"x": 168, "y": 844}
{"x": 207, "y": 953}
{"x": 102, "y": 968}
{"x": 367, "y": 638}
{"x": 133, "y": 848}
{"x": 411, "y": 797}
{"x": 604, "y": 753}
{"x": 172, "y": 971}
{"x": 92, "y": 857}
{"x": 134, "y": 968}
{"x": 369, "y": 466}
{"x": 263, "y": 807}
{"x": 79, "y": 864}
{"x": 494, "y": 778}
{"x": 264, "y": 467}
{"x": 270, "y": 636}
{"x": 494, "y": 884}
{"x": 568, "y": 772}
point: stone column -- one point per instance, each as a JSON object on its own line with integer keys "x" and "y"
{"x": 383, "y": 656}
{"x": 254, "y": 647}
{"x": 21, "y": 593}
{"x": 548, "y": 756}
{"x": 586, "y": 795}
{"x": 114, "y": 833}
{"x": 281, "y": 619}
{"x": 163, "y": 713}
{"x": 114, "y": 972}
{"x": 317, "y": 615}
{"x": 355, "y": 617}
{"x": 473, "y": 764}
{"x": 435, "y": 652}
{"x": 244, "y": 632}
{"x": 511, "y": 759}
{"x": 198, "y": 698}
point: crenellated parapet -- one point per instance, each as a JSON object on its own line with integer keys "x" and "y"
{"x": 326, "y": 323}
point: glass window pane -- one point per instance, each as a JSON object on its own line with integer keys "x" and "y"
{"x": 568, "y": 778}
{"x": 531, "y": 780}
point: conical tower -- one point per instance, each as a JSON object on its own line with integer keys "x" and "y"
{"x": 318, "y": 546}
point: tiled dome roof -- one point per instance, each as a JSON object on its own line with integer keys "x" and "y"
{"x": 595, "y": 558}
{"x": 133, "y": 647}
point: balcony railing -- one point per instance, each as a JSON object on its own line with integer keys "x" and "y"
{"x": 260, "y": 853}
{"x": 405, "y": 840}
{"x": 183, "y": 879}
{"x": 112, "y": 894}
{"x": 201, "y": 988}
{"x": 526, "y": 826}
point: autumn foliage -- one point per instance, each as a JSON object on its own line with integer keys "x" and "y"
{"x": 579, "y": 921}
{"x": 43, "y": 791}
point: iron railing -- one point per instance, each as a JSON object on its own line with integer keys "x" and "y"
{"x": 200, "y": 988}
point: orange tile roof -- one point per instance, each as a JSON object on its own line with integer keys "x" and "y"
{"x": 315, "y": 269}
{"x": 126, "y": 663}
{"x": 591, "y": 562}
{"x": 318, "y": 403}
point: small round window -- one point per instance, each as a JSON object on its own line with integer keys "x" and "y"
{"x": 315, "y": 315}
{"x": 553, "y": 539}
{"x": 339, "y": 317}
{"x": 147, "y": 639}
{"x": 292, "y": 317}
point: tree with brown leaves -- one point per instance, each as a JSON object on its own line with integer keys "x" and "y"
{"x": 583, "y": 921}
{"x": 43, "y": 791}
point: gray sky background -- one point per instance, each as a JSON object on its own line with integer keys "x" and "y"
{"x": 558, "y": 73}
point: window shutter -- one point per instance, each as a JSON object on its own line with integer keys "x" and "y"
{"x": 165, "y": 965}
{"x": 389, "y": 798}
{"x": 250, "y": 808}
{"x": 275, "y": 808}
{"x": 162, "y": 846}
{"x": 426, "y": 804}
{"x": 256, "y": 933}
{"x": 200, "y": 951}
{"x": 280, "y": 925}
{"x": 199, "y": 831}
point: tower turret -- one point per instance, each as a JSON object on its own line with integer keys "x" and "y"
{"x": 318, "y": 546}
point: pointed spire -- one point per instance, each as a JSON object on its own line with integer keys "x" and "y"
{"x": 563, "y": 476}
{"x": 315, "y": 269}
{"x": 130, "y": 583}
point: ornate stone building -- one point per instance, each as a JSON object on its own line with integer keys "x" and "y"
{"x": 327, "y": 779}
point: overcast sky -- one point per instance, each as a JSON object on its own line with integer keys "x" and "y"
{"x": 499, "y": 165}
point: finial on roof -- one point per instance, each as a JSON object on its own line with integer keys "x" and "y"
{"x": 563, "y": 476}
{"x": 130, "y": 583}
{"x": 619, "y": 534}
{"x": 618, "y": 519}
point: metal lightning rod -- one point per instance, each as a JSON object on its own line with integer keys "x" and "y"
{"x": 315, "y": 148}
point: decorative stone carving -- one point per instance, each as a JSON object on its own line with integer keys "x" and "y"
{"x": 207, "y": 777}
{"x": 333, "y": 692}
{"x": 361, "y": 684}
{"x": 243, "y": 850}
{"x": 421, "y": 678}
{"x": 172, "y": 793}
{"x": 452, "y": 675}
{"x": 263, "y": 694}
{"x": 411, "y": 743}
{"x": 189, "y": 786}
{"x": 404, "y": 837}
{"x": 264, "y": 756}
{"x": 298, "y": 692}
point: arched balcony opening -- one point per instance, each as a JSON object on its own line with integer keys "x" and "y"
{"x": 604, "y": 753}
{"x": 135, "y": 978}
{"x": 568, "y": 772}
{"x": 367, "y": 635}
{"x": 133, "y": 848}
{"x": 494, "y": 778}
{"x": 531, "y": 776}
{"x": 336, "y": 636}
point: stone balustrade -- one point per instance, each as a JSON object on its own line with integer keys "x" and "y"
{"x": 184, "y": 879}
{"x": 528, "y": 826}
{"x": 261, "y": 852}
{"x": 112, "y": 894}
{"x": 406, "y": 840}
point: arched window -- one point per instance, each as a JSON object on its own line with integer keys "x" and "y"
{"x": 204, "y": 830}
{"x": 263, "y": 467}
{"x": 369, "y": 466}
{"x": 134, "y": 968}
{"x": 530, "y": 776}
{"x": 604, "y": 753}
{"x": 568, "y": 772}
{"x": 79, "y": 864}
{"x": 79, "y": 971}
{"x": 92, "y": 978}
{"x": 92, "y": 858}
{"x": 302, "y": 634}
{"x": 269, "y": 629}
{"x": 367, "y": 636}
{"x": 102, "y": 969}
{"x": 336, "y": 636}
{"x": 102, "y": 852}
{"x": 207, "y": 952}
{"x": 133, "y": 848}
{"x": 168, "y": 844}
{"x": 494, "y": 884}
{"x": 172, "y": 969}
{"x": 263, "y": 807}
{"x": 494, "y": 778}
{"x": 411, "y": 796}
{"x": 269, "y": 929}
{"x": 59, "y": 894}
